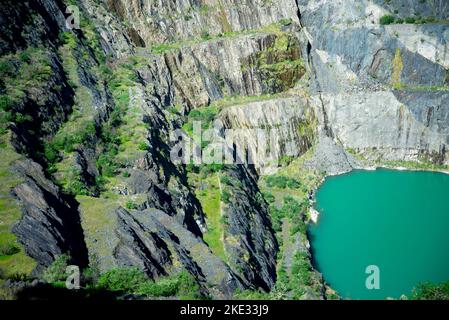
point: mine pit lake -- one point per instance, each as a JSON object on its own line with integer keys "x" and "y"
{"x": 395, "y": 220}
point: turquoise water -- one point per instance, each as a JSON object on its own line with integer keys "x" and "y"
{"x": 396, "y": 220}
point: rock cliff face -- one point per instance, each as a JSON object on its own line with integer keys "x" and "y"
{"x": 158, "y": 244}
{"x": 243, "y": 65}
{"x": 248, "y": 236}
{"x": 174, "y": 20}
{"x": 371, "y": 81}
{"x": 87, "y": 116}
{"x": 50, "y": 225}
{"x": 286, "y": 124}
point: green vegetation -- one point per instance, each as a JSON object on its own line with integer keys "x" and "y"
{"x": 291, "y": 284}
{"x": 286, "y": 192}
{"x": 98, "y": 219}
{"x": 57, "y": 270}
{"x": 269, "y": 197}
{"x": 162, "y": 48}
{"x": 8, "y": 249}
{"x": 282, "y": 182}
{"x": 13, "y": 259}
{"x": 122, "y": 137}
{"x": 121, "y": 281}
{"x": 429, "y": 291}
{"x": 291, "y": 209}
{"x": 285, "y": 22}
{"x": 208, "y": 192}
{"x": 280, "y": 65}
{"x": 210, "y": 199}
{"x": 134, "y": 281}
{"x": 23, "y": 73}
{"x": 117, "y": 141}
{"x": 386, "y": 19}
{"x": 392, "y": 19}
{"x": 298, "y": 279}
{"x": 422, "y": 164}
{"x": 163, "y": 288}
{"x": 127, "y": 280}
{"x": 226, "y": 196}
{"x": 401, "y": 86}
{"x": 397, "y": 69}
{"x": 80, "y": 128}
{"x": 205, "y": 115}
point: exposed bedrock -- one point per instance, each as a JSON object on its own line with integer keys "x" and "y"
{"x": 331, "y": 158}
{"x": 249, "y": 238}
{"x": 245, "y": 65}
{"x": 173, "y": 20}
{"x": 380, "y": 90}
{"x": 50, "y": 225}
{"x": 266, "y": 131}
{"x": 159, "y": 245}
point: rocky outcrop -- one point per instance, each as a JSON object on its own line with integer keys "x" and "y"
{"x": 50, "y": 225}
{"x": 251, "y": 65}
{"x": 159, "y": 245}
{"x": 405, "y": 129}
{"x": 248, "y": 236}
{"x": 384, "y": 94}
{"x": 330, "y": 158}
{"x": 286, "y": 124}
{"x": 115, "y": 39}
{"x": 174, "y": 20}
{"x": 151, "y": 172}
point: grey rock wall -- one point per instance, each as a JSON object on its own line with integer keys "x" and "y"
{"x": 380, "y": 90}
{"x": 174, "y": 20}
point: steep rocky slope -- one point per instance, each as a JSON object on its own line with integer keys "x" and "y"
{"x": 381, "y": 90}
{"x": 88, "y": 116}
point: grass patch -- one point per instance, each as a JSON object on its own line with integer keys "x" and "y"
{"x": 210, "y": 198}
{"x": 282, "y": 182}
{"x": 78, "y": 131}
{"x": 397, "y": 68}
{"x": 99, "y": 221}
{"x": 162, "y": 48}
{"x": 13, "y": 259}
{"x": 132, "y": 280}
